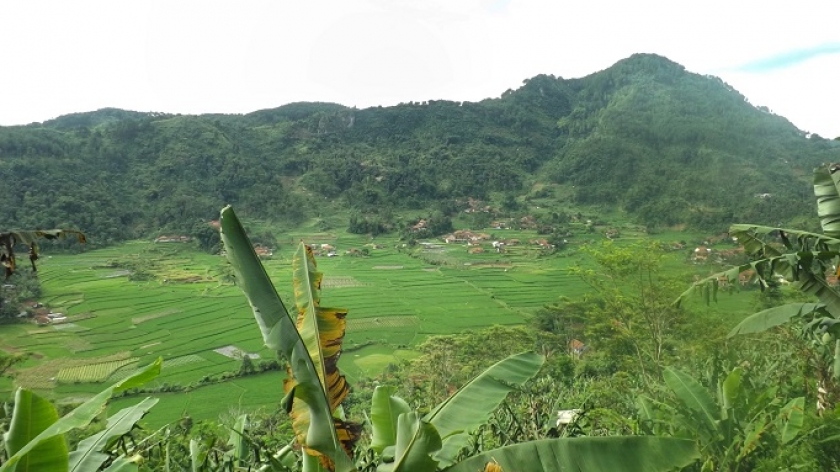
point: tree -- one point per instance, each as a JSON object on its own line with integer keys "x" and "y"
{"x": 635, "y": 315}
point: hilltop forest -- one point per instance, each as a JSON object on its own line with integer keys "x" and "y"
{"x": 645, "y": 137}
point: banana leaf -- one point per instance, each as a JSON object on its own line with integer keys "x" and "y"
{"x": 87, "y": 455}
{"x": 417, "y": 441}
{"x": 826, "y": 180}
{"x": 9, "y": 239}
{"x": 32, "y": 415}
{"x": 626, "y": 454}
{"x": 693, "y": 395}
{"x": 792, "y": 416}
{"x": 322, "y": 332}
{"x": 79, "y": 417}
{"x": 123, "y": 464}
{"x": 384, "y": 413}
{"x": 317, "y": 432}
{"x": 772, "y": 317}
{"x": 472, "y": 405}
{"x": 793, "y": 239}
{"x": 239, "y": 443}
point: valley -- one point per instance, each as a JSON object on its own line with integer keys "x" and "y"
{"x": 187, "y": 309}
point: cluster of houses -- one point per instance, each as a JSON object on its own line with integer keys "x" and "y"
{"x": 40, "y": 314}
{"x": 173, "y": 239}
{"x": 475, "y": 241}
{"x": 323, "y": 250}
{"x": 477, "y": 206}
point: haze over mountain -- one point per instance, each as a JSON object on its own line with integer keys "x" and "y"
{"x": 667, "y": 146}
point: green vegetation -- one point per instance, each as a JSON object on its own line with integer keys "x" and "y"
{"x": 552, "y": 228}
{"x": 644, "y": 136}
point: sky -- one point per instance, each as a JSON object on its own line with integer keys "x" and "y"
{"x": 192, "y": 57}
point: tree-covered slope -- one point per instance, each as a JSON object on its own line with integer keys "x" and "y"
{"x": 667, "y": 145}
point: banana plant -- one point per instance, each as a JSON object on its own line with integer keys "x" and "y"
{"x": 35, "y": 440}
{"x": 310, "y": 342}
{"x": 9, "y": 239}
{"x": 801, "y": 257}
{"x": 730, "y": 427}
{"x": 403, "y": 439}
{"x": 808, "y": 261}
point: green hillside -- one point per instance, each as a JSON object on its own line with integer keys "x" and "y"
{"x": 644, "y": 136}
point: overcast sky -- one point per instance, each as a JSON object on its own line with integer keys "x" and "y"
{"x": 59, "y": 57}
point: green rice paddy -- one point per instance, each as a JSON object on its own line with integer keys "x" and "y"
{"x": 397, "y": 296}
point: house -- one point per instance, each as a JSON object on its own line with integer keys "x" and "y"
{"x": 263, "y": 251}
{"x": 527, "y": 222}
{"x": 419, "y": 226}
{"x": 542, "y": 243}
{"x": 746, "y": 276}
{"x": 172, "y": 239}
{"x": 576, "y": 348}
{"x": 449, "y": 238}
{"x": 701, "y": 253}
{"x": 498, "y": 225}
{"x": 567, "y": 417}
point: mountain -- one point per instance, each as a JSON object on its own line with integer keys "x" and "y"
{"x": 645, "y": 136}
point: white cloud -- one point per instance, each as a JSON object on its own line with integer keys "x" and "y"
{"x": 223, "y": 56}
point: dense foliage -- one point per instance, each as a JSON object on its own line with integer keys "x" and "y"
{"x": 644, "y": 135}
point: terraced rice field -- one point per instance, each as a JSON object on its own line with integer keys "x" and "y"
{"x": 396, "y": 297}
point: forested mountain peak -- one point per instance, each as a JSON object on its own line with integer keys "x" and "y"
{"x": 93, "y": 119}
{"x": 644, "y": 135}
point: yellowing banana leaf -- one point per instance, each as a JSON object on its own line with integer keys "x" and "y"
{"x": 9, "y": 239}
{"x": 621, "y": 453}
{"x": 315, "y": 429}
{"x": 321, "y": 329}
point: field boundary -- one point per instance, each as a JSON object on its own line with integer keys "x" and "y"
{"x": 380, "y": 322}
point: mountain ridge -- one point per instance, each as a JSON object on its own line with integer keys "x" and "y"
{"x": 644, "y": 135}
